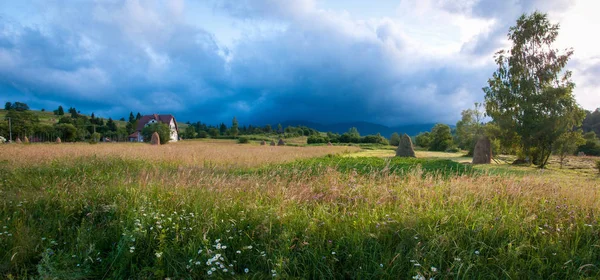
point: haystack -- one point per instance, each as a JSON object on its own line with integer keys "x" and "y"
{"x": 405, "y": 148}
{"x": 329, "y": 144}
{"x": 280, "y": 143}
{"x": 483, "y": 151}
{"x": 272, "y": 143}
{"x": 263, "y": 142}
{"x": 58, "y": 141}
{"x": 18, "y": 141}
{"x": 155, "y": 139}
{"x": 26, "y": 140}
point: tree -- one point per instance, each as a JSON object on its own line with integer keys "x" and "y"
{"x": 163, "y": 130}
{"x": 138, "y": 116}
{"x": 189, "y": 132}
{"x": 66, "y": 131}
{"x": 131, "y": 117}
{"x": 222, "y": 129}
{"x": 395, "y": 139}
{"x": 23, "y": 122}
{"x": 73, "y": 112}
{"x": 112, "y": 126}
{"x": 423, "y": 140}
{"x": 469, "y": 128}
{"x": 20, "y": 106}
{"x": 592, "y": 122}
{"x": 7, "y": 106}
{"x": 567, "y": 144}
{"x": 529, "y": 93}
{"x": 279, "y": 128}
{"x": 213, "y": 132}
{"x": 234, "y": 127}
{"x": 268, "y": 128}
{"x": 441, "y": 138}
{"x": 60, "y": 111}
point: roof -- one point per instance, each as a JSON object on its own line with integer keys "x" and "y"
{"x": 134, "y": 135}
{"x": 166, "y": 119}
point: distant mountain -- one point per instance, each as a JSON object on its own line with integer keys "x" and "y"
{"x": 365, "y": 128}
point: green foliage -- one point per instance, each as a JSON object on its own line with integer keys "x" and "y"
{"x": 17, "y": 106}
{"x": 190, "y": 132}
{"x": 317, "y": 139}
{"x": 591, "y": 123}
{"x": 395, "y": 139}
{"x": 23, "y": 122}
{"x": 95, "y": 137}
{"x": 530, "y": 94}
{"x": 423, "y": 140}
{"x": 591, "y": 146}
{"x": 213, "y": 132}
{"x": 60, "y": 111}
{"x": 243, "y": 140}
{"x": 234, "y": 131}
{"x": 598, "y": 165}
{"x": 469, "y": 128}
{"x": 163, "y": 130}
{"x": 567, "y": 144}
{"x": 66, "y": 131}
{"x": 441, "y": 138}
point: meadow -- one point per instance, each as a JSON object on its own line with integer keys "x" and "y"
{"x": 220, "y": 210}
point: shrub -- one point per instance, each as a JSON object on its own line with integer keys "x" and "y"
{"x": 162, "y": 129}
{"x": 598, "y": 165}
{"x": 243, "y": 140}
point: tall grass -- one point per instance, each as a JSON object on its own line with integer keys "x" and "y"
{"x": 108, "y": 217}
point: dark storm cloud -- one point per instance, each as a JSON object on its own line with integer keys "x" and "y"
{"x": 116, "y": 57}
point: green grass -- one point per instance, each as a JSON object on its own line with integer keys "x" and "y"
{"x": 122, "y": 219}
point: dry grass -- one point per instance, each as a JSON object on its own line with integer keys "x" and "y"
{"x": 223, "y": 153}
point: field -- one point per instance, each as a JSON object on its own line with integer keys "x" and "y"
{"x": 216, "y": 209}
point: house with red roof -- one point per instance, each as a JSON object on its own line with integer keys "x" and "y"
{"x": 155, "y": 118}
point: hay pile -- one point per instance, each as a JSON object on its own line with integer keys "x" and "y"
{"x": 155, "y": 139}
{"x": 272, "y": 143}
{"x": 26, "y": 140}
{"x": 280, "y": 143}
{"x": 483, "y": 151}
{"x": 329, "y": 144}
{"x": 18, "y": 141}
{"x": 405, "y": 148}
{"x": 58, "y": 141}
{"x": 263, "y": 142}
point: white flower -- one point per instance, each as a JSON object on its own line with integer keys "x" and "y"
{"x": 213, "y": 269}
{"x": 199, "y": 251}
{"x": 457, "y": 259}
{"x": 209, "y": 272}
{"x": 238, "y": 252}
{"x": 131, "y": 249}
{"x": 246, "y": 270}
{"x": 224, "y": 269}
{"x": 158, "y": 254}
{"x": 333, "y": 253}
{"x": 380, "y": 265}
{"x": 476, "y": 252}
{"x": 249, "y": 247}
{"x": 433, "y": 269}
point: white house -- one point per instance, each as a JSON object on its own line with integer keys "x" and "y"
{"x": 150, "y": 119}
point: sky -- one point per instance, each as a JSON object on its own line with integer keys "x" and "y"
{"x": 267, "y": 61}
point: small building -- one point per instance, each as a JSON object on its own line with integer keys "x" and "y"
{"x": 154, "y": 118}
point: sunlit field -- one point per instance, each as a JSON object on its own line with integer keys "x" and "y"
{"x": 218, "y": 210}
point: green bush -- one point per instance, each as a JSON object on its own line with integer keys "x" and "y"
{"x": 163, "y": 130}
{"x": 243, "y": 140}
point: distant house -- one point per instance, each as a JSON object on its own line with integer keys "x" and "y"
{"x": 150, "y": 119}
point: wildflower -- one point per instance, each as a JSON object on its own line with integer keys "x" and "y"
{"x": 238, "y": 252}
{"x": 380, "y": 265}
{"x": 223, "y": 247}
{"x": 477, "y": 252}
{"x": 457, "y": 259}
{"x": 131, "y": 249}
{"x": 246, "y": 270}
{"x": 209, "y": 272}
{"x": 158, "y": 254}
{"x": 199, "y": 251}
{"x": 249, "y": 247}
{"x": 333, "y": 253}
{"x": 213, "y": 269}
{"x": 433, "y": 269}
{"x": 197, "y": 263}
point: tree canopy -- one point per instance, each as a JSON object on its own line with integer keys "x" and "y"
{"x": 530, "y": 93}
